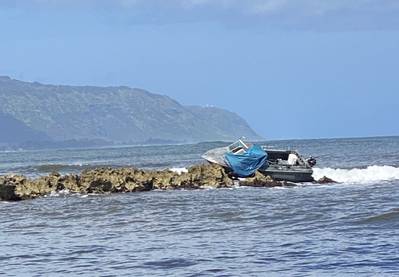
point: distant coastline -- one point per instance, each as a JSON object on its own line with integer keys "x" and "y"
{"x": 35, "y": 115}
{"x": 96, "y": 144}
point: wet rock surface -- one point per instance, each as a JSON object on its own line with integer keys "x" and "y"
{"x": 118, "y": 180}
{"x": 325, "y": 180}
{"x": 260, "y": 180}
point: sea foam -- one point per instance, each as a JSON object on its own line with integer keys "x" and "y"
{"x": 359, "y": 175}
{"x": 179, "y": 170}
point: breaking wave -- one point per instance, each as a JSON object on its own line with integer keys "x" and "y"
{"x": 359, "y": 175}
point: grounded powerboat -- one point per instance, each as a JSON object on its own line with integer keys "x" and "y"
{"x": 240, "y": 158}
{"x": 243, "y": 159}
{"x": 288, "y": 165}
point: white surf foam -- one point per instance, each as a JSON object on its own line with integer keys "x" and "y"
{"x": 58, "y": 193}
{"x": 179, "y": 170}
{"x": 357, "y": 175}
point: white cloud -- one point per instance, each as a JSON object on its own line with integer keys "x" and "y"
{"x": 307, "y": 14}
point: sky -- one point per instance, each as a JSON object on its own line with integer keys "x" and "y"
{"x": 291, "y": 68}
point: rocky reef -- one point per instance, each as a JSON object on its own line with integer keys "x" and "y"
{"x": 119, "y": 180}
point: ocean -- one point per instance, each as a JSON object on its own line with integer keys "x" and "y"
{"x": 345, "y": 229}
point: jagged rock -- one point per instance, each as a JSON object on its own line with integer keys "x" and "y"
{"x": 57, "y": 182}
{"x": 14, "y": 188}
{"x": 69, "y": 182}
{"x": 8, "y": 185}
{"x": 210, "y": 175}
{"x": 110, "y": 180}
{"x": 170, "y": 180}
{"x": 115, "y": 180}
{"x": 325, "y": 180}
{"x": 260, "y": 180}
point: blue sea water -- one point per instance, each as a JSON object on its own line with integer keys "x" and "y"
{"x": 346, "y": 229}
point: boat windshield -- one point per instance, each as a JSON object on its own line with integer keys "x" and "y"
{"x": 239, "y": 147}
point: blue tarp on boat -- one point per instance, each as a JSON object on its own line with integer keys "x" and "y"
{"x": 244, "y": 165}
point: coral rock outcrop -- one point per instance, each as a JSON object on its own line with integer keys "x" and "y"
{"x": 114, "y": 180}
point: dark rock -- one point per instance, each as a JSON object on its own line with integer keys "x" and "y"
{"x": 7, "y": 189}
{"x": 325, "y": 180}
{"x": 14, "y": 188}
{"x": 260, "y": 180}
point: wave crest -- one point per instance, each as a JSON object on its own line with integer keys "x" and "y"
{"x": 358, "y": 175}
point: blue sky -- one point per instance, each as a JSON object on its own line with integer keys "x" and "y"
{"x": 291, "y": 68}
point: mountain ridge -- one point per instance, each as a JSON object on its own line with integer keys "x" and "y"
{"x": 117, "y": 114}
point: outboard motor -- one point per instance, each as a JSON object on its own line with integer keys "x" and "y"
{"x": 311, "y": 161}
